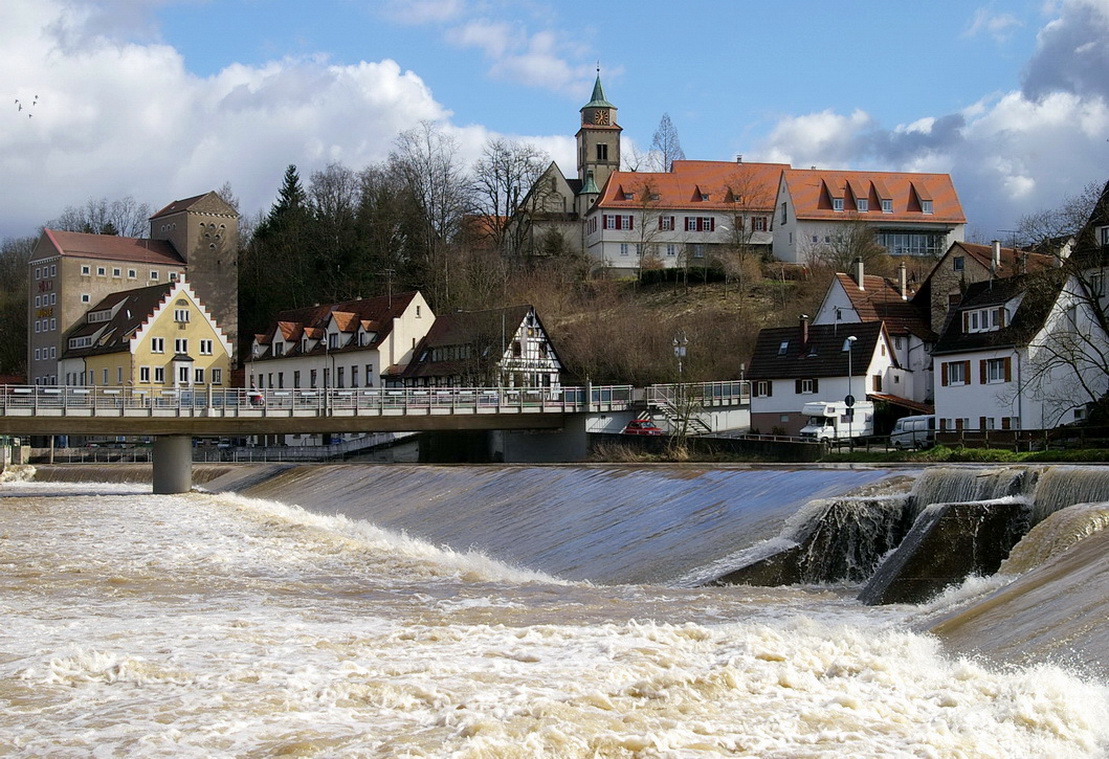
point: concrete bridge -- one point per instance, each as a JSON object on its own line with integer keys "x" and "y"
{"x": 174, "y": 416}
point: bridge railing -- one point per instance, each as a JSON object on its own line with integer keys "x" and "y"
{"x": 32, "y": 400}
{"x": 724, "y": 393}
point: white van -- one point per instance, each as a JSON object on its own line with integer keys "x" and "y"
{"x": 914, "y": 432}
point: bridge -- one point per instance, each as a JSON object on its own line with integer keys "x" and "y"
{"x": 174, "y": 416}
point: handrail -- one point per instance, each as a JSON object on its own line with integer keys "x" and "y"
{"x": 99, "y": 401}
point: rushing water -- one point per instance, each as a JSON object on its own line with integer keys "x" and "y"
{"x": 206, "y": 625}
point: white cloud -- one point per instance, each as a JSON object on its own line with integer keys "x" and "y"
{"x": 537, "y": 60}
{"x": 997, "y": 25}
{"x": 116, "y": 118}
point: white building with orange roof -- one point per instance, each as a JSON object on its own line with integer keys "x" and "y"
{"x": 687, "y": 217}
{"x": 911, "y": 214}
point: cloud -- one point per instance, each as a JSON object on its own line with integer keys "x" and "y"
{"x": 996, "y": 25}
{"x": 515, "y": 55}
{"x": 1010, "y": 154}
{"x": 116, "y": 118}
{"x": 1072, "y": 52}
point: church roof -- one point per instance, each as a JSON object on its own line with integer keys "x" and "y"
{"x": 693, "y": 185}
{"x": 598, "y": 99}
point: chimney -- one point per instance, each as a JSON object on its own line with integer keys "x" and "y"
{"x": 902, "y": 280}
{"x": 804, "y": 329}
{"x": 739, "y": 158}
{"x": 859, "y": 272}
{"x": 995, "y": 264}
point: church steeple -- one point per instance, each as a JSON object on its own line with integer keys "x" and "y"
{"x": 598, "y": 138}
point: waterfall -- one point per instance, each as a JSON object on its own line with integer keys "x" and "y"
{"x": 1062, "y": 486}
{"x": 966, "y": 484}
{"x": 851, "y": 537}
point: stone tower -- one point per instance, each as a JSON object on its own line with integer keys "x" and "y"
{"x": 204, "y": 230}
{"x": 598, "y": 143}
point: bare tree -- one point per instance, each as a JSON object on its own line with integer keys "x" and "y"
{"x": 503, "y": 176}
{"x": 666, "y": 145}
{"x": 847, "y": 241}
{"x": 740, "y": 257}
{"x": 14, "y": 255}
{"x": 1043, "y": 229}
{"x": 425, "y": 158}
{"x": 101, "y": 216}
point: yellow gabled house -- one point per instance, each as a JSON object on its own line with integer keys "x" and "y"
{"x": 159, "y": 337}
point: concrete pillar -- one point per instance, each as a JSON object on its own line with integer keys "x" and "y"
{"x": 173, "y": 464}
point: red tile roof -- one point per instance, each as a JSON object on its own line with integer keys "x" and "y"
{"x": 812, "y": 192}
{"x": 880, "y": 301}
{"x": 111, "y": 247}
{"x": 728, "y": 185}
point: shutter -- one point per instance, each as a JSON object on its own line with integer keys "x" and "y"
{"x": 815, "y": 385}
{"x": 1008, "y": 368}
{"x": 966, "y": 371}
{"x": 981, "y": 422}
{"x": 604, "y": 221}
{"x": 712, "y": 224}
{"x": 769, "y": 388}
{"x": 660, "y": 222}
{"x": 966, "y": 322}
{"x": 1001, "y": 317}
{"x": 981, "y": 372}
{"x": 631, "y": 222}
{"x": 797, "y": 387}
{"x": 943, "y": 374}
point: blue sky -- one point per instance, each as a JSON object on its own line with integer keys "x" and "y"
{"x": 163, "y": 99}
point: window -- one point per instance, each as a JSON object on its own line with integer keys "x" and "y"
{"x": 117, "y": 272}
{"x": 154, "y": 276}
{"x": 369, "y": 375}
{"x": 217, "y": 376}
{"x": 340, "y": 376}
{"x": 180, "y": 315}
{"x": 926, "y": 206}
{"x": 296, "y": 377}
{"x": 86, "y": 270}
{"x": 984, "y": 319}
{"x": 173, "y": 276}
{"x": 332, "y": 340}
{"x": 806, "y": 386}
{"x": 698, "y": 250}
{"x": 312, "y": 378}
{"x": 602, "y": 151}
{"x": 624, "y": 249}
{"x": 353, "y": 376}
{"x": 101, "y": 271}
{"x": 862, "y": 205}
{"x": 132, "y": 274}
{"x": 956, "y": 373}
{"x": 157, "y": 345}
{"x": 1103, "y": 236}
{"x": 625, "y": 222}
{"x": 1097, "y": 283}
{"x": 958, "y": 263}
{"x": 144, "y": 374}
{"x": 887, "y": 205}
{"x": 206, "y": 347}
{"x": 104, "y": 374}
{"x": 278, "y": 348}
{"x": 671, "y": 249}
{"x": 181, "y": 346}
{"x": 38, "y": 273}
{"x": 183, "y": 375}
{"x": 783, "y": 347}
{"x": 837, "y": 204}
{"x": 159, "y": 374}
{"x": 785, "y": 214}
{"x": 764, "y": 389}
{"x": 610, "y": 222}
{"x": 759, "y": 224}
{"x": 38, "y": 301}
{"x": 666, "y": 223}
{"x": 995, "y": 370}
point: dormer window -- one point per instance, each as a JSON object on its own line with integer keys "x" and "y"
{"x": 984, "y": 320}
{"x": 837, "y": 204}
{"x": 887, "y": 205}
{"x": 783, "y": 347}
{"x": 926, "y": 206}
{"x": 279, "y": 349}
{"x": 332, "y": 340}
{"x": 862, "y": 205}
{"x": 704, "y": 196}
{"x": 1103, "y": 236}
{"x": 629, "y": 196}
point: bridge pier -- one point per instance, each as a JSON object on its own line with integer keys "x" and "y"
{"x": 173, "y": 464}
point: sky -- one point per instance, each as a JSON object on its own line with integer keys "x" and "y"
{"x": 166, "y": 99}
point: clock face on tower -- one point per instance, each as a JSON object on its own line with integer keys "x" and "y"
{"x": 600, "y": 117}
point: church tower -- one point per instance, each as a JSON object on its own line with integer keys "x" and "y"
{"x": 598, "y": 142}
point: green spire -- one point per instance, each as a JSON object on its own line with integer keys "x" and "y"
{"x": 590, "y": 187}
{"x": 598, "y": 100}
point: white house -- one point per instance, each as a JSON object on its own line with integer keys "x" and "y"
{"x": 792, "y": 366}
{"x": 859, "y": 297}
{"x": 911, "y": 214}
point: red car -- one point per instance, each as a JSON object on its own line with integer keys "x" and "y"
{"x": 642, "y": 427}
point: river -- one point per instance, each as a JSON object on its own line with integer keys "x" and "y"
{"x": 479, "y": 612}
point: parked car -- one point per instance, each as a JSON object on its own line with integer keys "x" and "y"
{"x": 642, "y": 427}
{"x": 914, "y": 432}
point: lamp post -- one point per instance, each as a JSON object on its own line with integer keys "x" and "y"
{"x": 849, "y": 343}
{"x": 680, "y": 343}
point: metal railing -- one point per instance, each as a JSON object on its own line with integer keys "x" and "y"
{"x": 725, "y": 393}
{"x": 103, "y": 401}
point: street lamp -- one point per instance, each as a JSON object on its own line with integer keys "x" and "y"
{"x": 848, "y": 344}
{"x": 680, "y": 343}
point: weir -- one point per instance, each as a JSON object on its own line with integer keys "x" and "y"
{"x": 954, "y": 523}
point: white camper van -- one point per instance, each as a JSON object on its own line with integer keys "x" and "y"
{"x": 913, "y": 432}
{"x": 833, "y": 420}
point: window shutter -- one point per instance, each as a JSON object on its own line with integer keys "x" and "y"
{"x": 982, "y": 372}
{"x": 660, "y": 222}
{"x": 712, "y": 224}
{"x": 1001, "y": 317}
{"x": 943, "y": 374}
{"x": 604, "y": 221}
{"x": 981, "y": 422}
{"x": 769, "y": 387}
{"x": 815, "y": 385}
{"x": 631, "y": 222}
{"x": 1008, "y": 368}
{"x": 966, "y": 322}
{"x": 966, "y": 371}
{"x": 797, "y": 387}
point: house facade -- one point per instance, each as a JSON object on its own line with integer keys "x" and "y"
{"x": 910, "y": 214}
{"x": 154, "y": 338}
{"x": 859, "y": 297}
{"x": 504, "y": 347}
{"x": 354, "y": 344}
{"x": 695, "y": 215}
{"x": 792, "y": 366}
{"x": 69, "y": 272}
